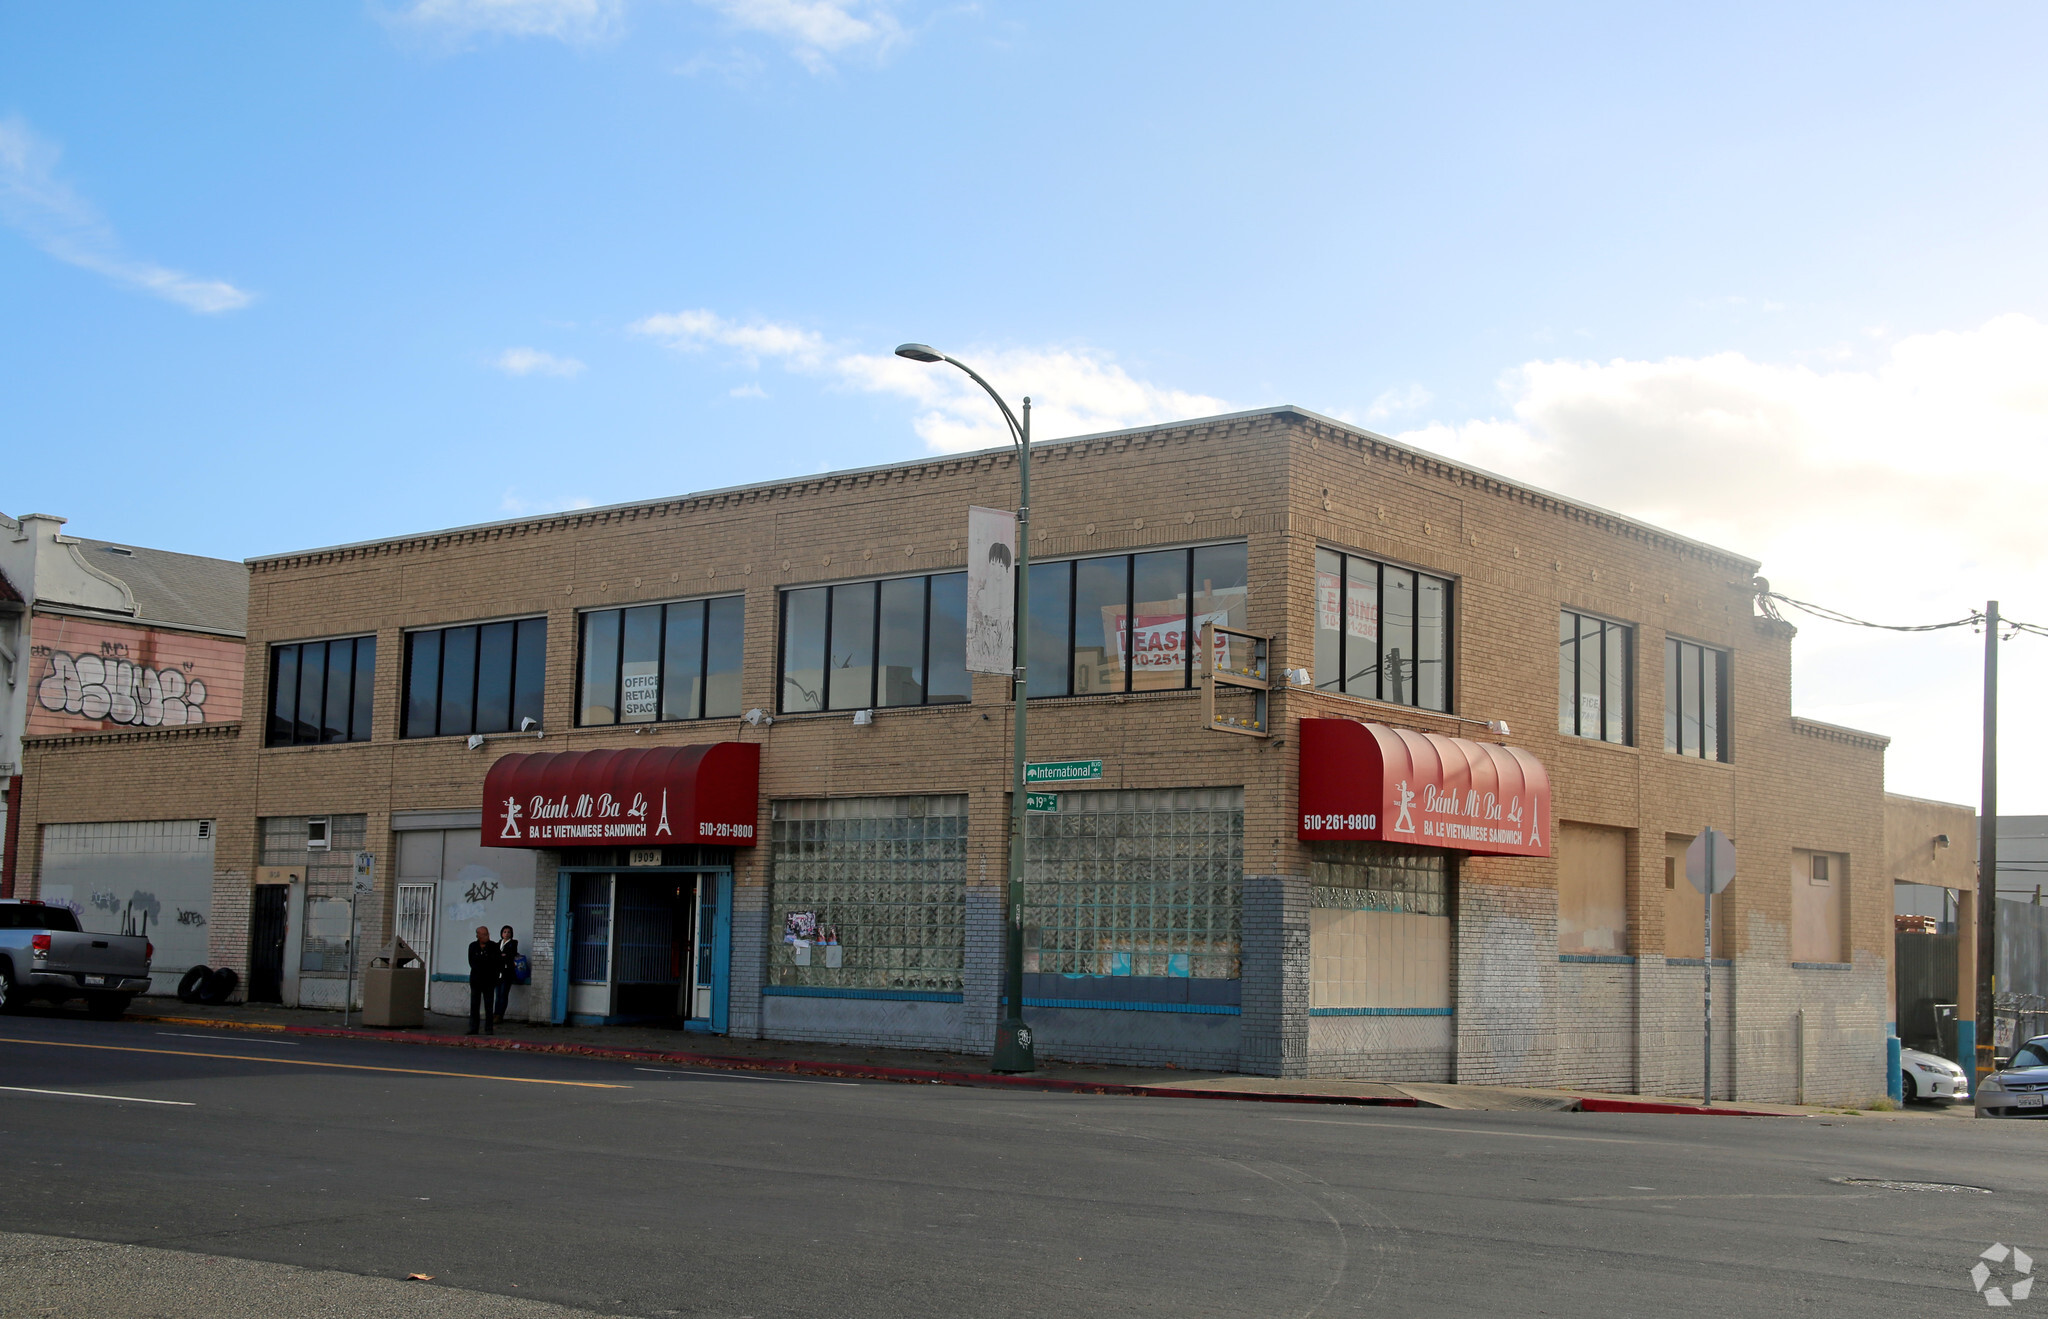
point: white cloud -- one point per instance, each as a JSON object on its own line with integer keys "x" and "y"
{"x": 576, "y": 22}
{"x": 43, "y": 207}
{"x": 534, "y": 362}
{"x": 751, "y": 390}
{"x": 1074, "y": 391}
{"x": 516, "y": 505}
{"x": 814, "y": 30}
{"x": 1905, "y": 493}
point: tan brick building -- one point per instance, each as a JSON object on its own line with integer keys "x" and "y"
{"x": 1175, "y": 912}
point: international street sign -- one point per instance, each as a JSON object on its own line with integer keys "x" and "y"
{"x": 1696, "y": 866}
{"x": 1042, "y": 801}
{"x": 1063, "y": 771}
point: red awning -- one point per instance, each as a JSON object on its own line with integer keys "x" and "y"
{"x": 1400, "y": 786}
{"x": 656, "y": 796}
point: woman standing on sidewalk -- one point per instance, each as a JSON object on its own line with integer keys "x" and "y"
{"x": 508, "y": 956}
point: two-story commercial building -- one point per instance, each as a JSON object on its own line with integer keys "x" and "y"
{"x": 720, "y": 762}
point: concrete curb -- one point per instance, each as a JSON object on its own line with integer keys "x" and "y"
{"x": 797, "y": 1067}
{"x": 1590, "y": 1104}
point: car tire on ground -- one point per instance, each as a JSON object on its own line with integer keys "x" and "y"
{"x": 219, "y": 986}
{"x": 1908, "y": 1092}
{"x": 11, "y": 999}
{"x": 108, "y": 1007}
{"x": 191, "y": 982}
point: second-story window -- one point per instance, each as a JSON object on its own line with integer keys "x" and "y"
{"x": 648, "y": 663}
{"x": 479, "y": 678}
{"x": 1129, "y": 622}
{"x": 1594, "y": 659}
{"x": 1382, "y": 632}
{"x": 320, "y": 691}
{"x": 865, "y": 644}
{"x": 1695, "y": 700}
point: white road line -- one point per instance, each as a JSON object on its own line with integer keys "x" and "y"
{"x": 739, "y": 1076}
{"x": 226, "y": 1039}
{"x": 80, "y": 1094}
{"x": 1469, "y": 1131}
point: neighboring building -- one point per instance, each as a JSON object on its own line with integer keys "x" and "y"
{"x": 112, "y": 646}
{"x": 784, "y": 808}
{"x": 2022, "y": 857}
{"x": 1931, "y": 859}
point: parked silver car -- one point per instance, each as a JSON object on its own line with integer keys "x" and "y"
{"x": 43, "y": 954}
{"x": 2021, "y": 1088}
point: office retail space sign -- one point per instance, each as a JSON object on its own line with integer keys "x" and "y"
{"x": 1374, "y": 782}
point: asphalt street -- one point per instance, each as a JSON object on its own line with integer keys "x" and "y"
{"x": 243, "y": 1173}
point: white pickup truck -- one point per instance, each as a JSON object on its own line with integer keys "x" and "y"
{"x": 43, "y": 954}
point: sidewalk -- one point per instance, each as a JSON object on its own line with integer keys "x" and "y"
{"x": 715, "y": 1052}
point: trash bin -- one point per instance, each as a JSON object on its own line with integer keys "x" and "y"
{"x": 395, "y": 988}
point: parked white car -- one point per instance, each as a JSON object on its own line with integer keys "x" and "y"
{"x": 2021, "y": 1089}
{"x": 1930, "y": 1076}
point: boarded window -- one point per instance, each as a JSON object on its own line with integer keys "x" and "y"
{"x": 1592, "y": 889}
{"x": 1379, "y": 928}
{"x": 1683, "y": 907}
{"x": 1820, "y": 884}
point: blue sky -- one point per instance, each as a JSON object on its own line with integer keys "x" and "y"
{"x": 282, "y": 275}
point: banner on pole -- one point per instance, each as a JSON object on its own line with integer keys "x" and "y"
{"x": 991, "y": 590}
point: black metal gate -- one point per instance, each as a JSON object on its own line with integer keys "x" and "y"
{"x": 1927, "y": 976}
{"x": 267, "y": 914}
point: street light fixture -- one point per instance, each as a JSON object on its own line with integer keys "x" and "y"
{"x": 1013, "y": 1051}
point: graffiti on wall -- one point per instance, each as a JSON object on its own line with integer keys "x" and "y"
{"x": 121, "y": 692}
{"x": 94, "y": 676}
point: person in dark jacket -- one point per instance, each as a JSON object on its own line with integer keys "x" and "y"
{"x": 486, "y": 965}
{"x": 508, "y": 953}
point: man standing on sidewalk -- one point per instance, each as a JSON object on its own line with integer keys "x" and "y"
{"x": 486, "y": 964}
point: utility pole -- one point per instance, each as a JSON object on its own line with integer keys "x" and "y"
{"x": 1986, "y": 1025}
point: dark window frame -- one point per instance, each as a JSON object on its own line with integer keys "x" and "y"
{"x": 1677, "y": 652}
{"x": 1190, "y": 641}
{"x": 703, "y": 604}
{"x": 1577, "y": 660}
{"x": 359, "y": 714}
{"x": 513, "y": 713}
{"x": 1341, "y": 684}
{"x": 875, "y": 666}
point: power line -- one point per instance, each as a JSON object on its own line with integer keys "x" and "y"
{"x": 1975, "y": 618}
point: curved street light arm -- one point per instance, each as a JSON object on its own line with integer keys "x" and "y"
{"x": 1016, "y": 431}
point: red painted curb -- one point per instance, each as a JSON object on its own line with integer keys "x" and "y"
{"x": 1589, "y": 1105}
{"x": 841, "y": 1071}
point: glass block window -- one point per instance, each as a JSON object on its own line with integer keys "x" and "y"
{"x": 329, "y": 872}
{"x": 1362, "y": 876}
{"x": 1382, "y": 632}
{"x": 886, "y": 876}
{"x": 1137, "y": 883}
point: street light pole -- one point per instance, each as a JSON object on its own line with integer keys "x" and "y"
{"x": 1013, "y": 1048}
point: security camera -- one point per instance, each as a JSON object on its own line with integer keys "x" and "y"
{"x": 862, "y": 718}
{"x": 528, "y": 721}
{"x": 1499, "y": 726}
{"x": 758, "y": 717}
{"x": 1941, "y": 840}
{"x": 475, "y": 740}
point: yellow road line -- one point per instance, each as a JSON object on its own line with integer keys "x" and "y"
{"x": 303, "y": 1062}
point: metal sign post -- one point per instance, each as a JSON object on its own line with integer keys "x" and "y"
{"x": 363, "y": 881}
{"x": 1709, "y": 867}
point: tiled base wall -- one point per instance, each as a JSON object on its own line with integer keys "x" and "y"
{"x": 881, "y": 1023}
{"x": 1382, "y": 1048}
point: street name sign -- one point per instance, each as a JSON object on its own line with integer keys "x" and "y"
{"x": 1063, "y": 771}
{"x": 1042, "y": 801}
